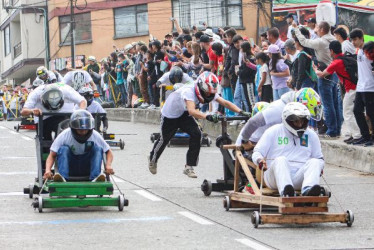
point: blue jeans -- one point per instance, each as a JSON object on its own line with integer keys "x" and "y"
{"x": 239, "y": 96}
{"x": 122, "y": 90}
{"x": 88, "y": 164}
{"x": 227, "y": 95}
{"x": 308, "y": 83}
{"x": 328, "y": 90}
{"x": 277, "y": 93}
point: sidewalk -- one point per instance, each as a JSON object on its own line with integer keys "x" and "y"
{"x": 336, "y": 152}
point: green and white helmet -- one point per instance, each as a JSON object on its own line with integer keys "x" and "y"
{"x": 311, "y": 100}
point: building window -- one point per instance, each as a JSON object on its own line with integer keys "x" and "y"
{"x": 82, "y": 28}
{"x": 131, "y": 21}
{"x": 216, "y": 13}
{"x": 7, "y": 45}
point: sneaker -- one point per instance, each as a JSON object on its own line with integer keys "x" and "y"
{"x": 330, "y": 137}
{"x": 152, "y": 107}
{"x": 369, "y": 143}
{"x": 189, "y": 172}
{"x": 348, "y": 140}
{"x": 58, "y": 178}
{"x": 288, "y": 191}
{"x": 242, "y": 122}
{"x": 152, "y": 166}
{"x": 144, "y": 105}
{"x": 235, "y": 123}
{"x": 313, "y": 191}
{"x": 100, "y": 178}
{"x": 361, "y": 141}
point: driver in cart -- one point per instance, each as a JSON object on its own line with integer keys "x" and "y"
{"x": 79, "y": 151}
{"x": 292, "y": 154}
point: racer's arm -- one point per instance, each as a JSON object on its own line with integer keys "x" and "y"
{"x": 83, "y": 104}
{"x": 48, "y": 164}
{"x": 262, "y": 147}
{"x": 250, "y": 127}
{"x": 228, "y": 105}
{"x": 29, "y": 107}
{"x": 93, "y": 86}
{"x": 109, "y": 160}
{"x": 104, "y": 119}
{"x": 192, "y": 111}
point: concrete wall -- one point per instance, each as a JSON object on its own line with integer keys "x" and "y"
{"x": 335, "y": 152}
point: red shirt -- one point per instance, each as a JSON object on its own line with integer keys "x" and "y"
{"x": 218, "y": 61}
{"x": 337, "y": 65}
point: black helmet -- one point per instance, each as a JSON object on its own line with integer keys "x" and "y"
{"x": 88, "y": 94}
{"x": 176, "y": 75}
{"x": 81, "y": 120}
{"x": 52, "y": 98}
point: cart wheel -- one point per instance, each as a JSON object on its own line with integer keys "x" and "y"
{"x": 206, "y": 187}
{"x": 121, "y": 202}
{"x": 350, "y": 218}
{"x": 256, "y": 219}
{"x": 31, "y": 191}
{"x": 152, "y": 138}
{"x": 40, "y": 204}
{"x": 121, "y": 144}
{"x": 226, "y": 202}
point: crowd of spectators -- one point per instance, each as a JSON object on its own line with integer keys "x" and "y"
{"x": 315, "y": 55}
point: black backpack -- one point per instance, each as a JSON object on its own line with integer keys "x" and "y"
{"x": 350, "y": 64}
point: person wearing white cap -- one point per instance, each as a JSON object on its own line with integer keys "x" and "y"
{"x": 279, "y": 72}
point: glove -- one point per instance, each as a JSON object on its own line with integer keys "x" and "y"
{"x": 262, "y": 165}
{"x": 244, "y": 113}
{"x": 212, "y": 118}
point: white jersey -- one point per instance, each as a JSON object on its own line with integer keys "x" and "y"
{"x": 51, "y": 78}
{"x": 175, "y": 104}
{"x": 93, "y": 108}
{"x": 365, "y": 81}
{"x": 66, "y": 139}
{"x": 71, "y": 97}
{"x": 278, "y": 141}
{"x": 77, "y": 79}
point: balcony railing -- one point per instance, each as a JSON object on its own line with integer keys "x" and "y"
{"x": 17, "y": 50}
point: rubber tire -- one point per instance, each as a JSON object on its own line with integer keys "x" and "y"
{"x": 31, "y": 191}
{"x": 227, "y": 202}
{"x": 121, "y": 202}
{"x": 206, "y": 187}
{"x": 121, "y": 144}
{"x": 350, "y": 218}
{"x": 256, "y": 219}
{"x": 40, "y": 204}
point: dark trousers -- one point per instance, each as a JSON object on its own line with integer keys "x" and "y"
{"x": 364, "y": 100}
{"x": 50, "y": 125}
{"x": 267, "y": 93}
{"x": 169, "y": 127}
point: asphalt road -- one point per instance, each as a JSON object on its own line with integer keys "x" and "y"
{"x": 167, "y": 210}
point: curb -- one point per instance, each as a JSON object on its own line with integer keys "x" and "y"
{"x": 335, "y": 152}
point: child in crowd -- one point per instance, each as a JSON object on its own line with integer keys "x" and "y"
{"x": 121, "y": 69}
{"x": 264, "y": 89}
{"x": 149, "y": 67}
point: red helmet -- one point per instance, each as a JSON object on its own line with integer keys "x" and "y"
{"x": 369, "y": 50}
{"x": 206, "y": 87}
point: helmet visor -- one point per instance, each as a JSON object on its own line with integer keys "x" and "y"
{"x": 316, "y": 112}
{"x": 82, "y": 123}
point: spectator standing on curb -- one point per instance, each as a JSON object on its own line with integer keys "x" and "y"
{"x": 265, "y": 90}
{"x": 229, "y": 34}
{"x": 328, "y": 88}
{"x": 273, "y": 35}
{"x": 365, "y": 88}
{"x": 279, "y": 72}
{"x": 337, "y": 66}
{"x": 121, "y": 69}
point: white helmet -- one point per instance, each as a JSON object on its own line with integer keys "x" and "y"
{"x": 78, "y": 80}
{"x": 91, "y": 58}
{"x": 36, "y": 83}
{"x": 296, "y": 112}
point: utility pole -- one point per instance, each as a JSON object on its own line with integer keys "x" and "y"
{"x": 72, "y": 41}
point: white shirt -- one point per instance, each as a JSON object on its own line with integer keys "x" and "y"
{"x": 175, "y": 104}
{"x": 294, "y": 56}
{"x": 265, "y": 68}
{"x": 165, "y": 79}
{"x": 365, "y": 81}
{"x": 70, "y": 96}
{"x": 278, "y": 141}
{"x": 51, "y": 77}
{"x": 77, "y": 78}
{"x": 289, "y": 34}
{"x": 93, "y": 108}
{"x": 347, "y": 46}
{"x": 66, "y": 139}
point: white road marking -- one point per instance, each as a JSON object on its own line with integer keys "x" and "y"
{"x": 196, "y": 218}
{"x": 1, "y": 127}
{"x": 12, "y": 194}
{"x": 118, "y": 180}
{"x": 26, "y": 138}
{"x": 16, "y": 173}
{"x": 147, "y": 195}
{"x": 13, "y": 132}
{"x": 253, "y": 244}
{"x": 16, "y": 157}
